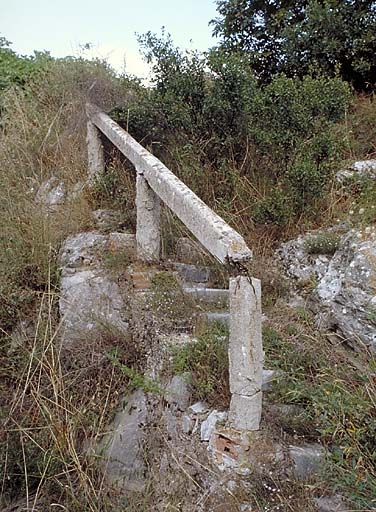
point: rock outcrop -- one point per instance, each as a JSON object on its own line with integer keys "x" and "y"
{"x": 90, "y": 298}
{"x": 344, "y": 295}
{"x": 122, "y": 449}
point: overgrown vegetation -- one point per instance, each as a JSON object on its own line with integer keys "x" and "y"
{"x": 51, "y": 404}
{"x": 52, "y": 407}
{"x": 257, "y": 127}
{"x": 207, "y": 361}
{"x": 16, "y": 69}
{"x": 210, "y": 110}
{"x": 173, "y": 309}
{"x": 334, "y": 397}
{"x": 323, "y": 243}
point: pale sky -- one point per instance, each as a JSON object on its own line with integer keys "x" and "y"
{"x": 62, "y": 26}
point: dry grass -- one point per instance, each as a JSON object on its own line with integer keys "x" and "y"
{"x": 55, "y": 406}
{"x": 334, "y": 391}
{"x": 43, "y": 129}
{"x": 360, "y": 127}
{"x": 52, "y": 403}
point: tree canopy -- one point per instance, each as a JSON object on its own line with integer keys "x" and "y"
{"x": 304, "y": 36}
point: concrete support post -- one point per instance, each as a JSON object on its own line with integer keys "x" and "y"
{"x": 245, "y": 353}
{"x": 148, "y": 235}
{"x": 95, "y": 151}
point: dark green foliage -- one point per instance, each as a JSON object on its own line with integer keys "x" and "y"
{"x": 290, "y": 113}
{"x": 136, "y": 378}
{"x": 330, "y": 36}
{"x": 196, "y": 98}
{"x": 212, "y": 105}
{"x": 334, "y": 36}
{"x": 179, "y": 83}
{"x": 274, "y": 209}
{"x": 254, "y": 27}
{"x": 292, "y": 123}
{"x": 230, "y": 93}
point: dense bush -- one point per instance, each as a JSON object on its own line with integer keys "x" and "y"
{"x": 213, "y": 109}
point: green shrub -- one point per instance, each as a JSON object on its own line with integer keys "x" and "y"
{"x": 16, "y": 70}
{"x": 296, "y": 37}
{"x": 293, "y": 117}
{"x": 212, "y": 108}
{"x": 276, "y": 208}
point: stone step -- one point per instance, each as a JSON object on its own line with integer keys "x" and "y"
{"x": 216, "y": 296}
{"x": 193, "y": 273}
{"x": 220, "y": 317}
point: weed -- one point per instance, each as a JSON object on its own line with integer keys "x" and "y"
{"x": 363, "y": 208}
{"x": 207, "y": 361}
{"x": 323, "y": 243}
{"x": 53, "y": 406}
{"x": 136, "y": 379}
{"x": 306, "y": 286}
{"x": 115, "y": 189}
{"x": 371, "y": 314}
{"x": 336, "y": 403}
{"x": 117, "y": 261}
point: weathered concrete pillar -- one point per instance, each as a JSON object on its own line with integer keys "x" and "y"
{"x": 95, "y": 151}
{"x": 148, "y": 235}
{"x": 245, "y": 353}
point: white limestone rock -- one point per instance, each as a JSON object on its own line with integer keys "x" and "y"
{"x": 307, "y": 460}
{"x": 90, "y": 298}
{"x": 81, "y": 250}
{"x": 344, "y": 299}
{"x": 347, "y": 292}
{"x": 209, "y": 425}
{"x": 359, "y": 170}
{"x": 298, "y": 264}
{"x": 331, "y": 504}
{"x": 51, "y": 193}
{"x": 199, "y": 408}
{"x": 108, "y": 220}
{"x": 178, "y": 391}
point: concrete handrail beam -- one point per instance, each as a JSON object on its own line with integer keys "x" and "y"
{"x": 210, "y": 229}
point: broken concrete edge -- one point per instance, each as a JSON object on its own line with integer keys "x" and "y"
{"x": 209, "y": 228}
